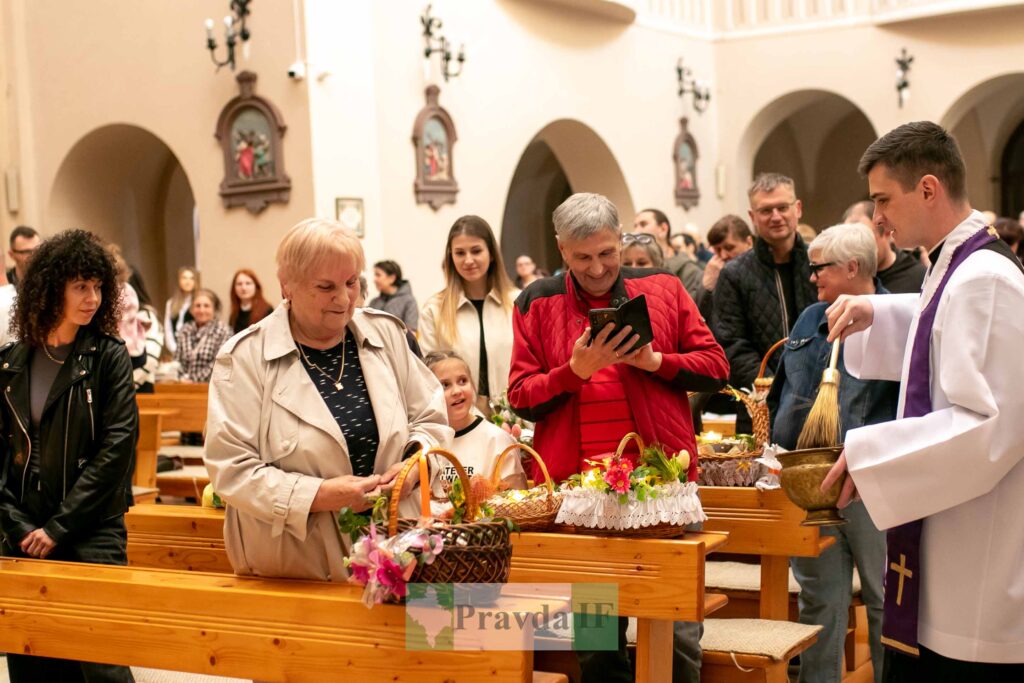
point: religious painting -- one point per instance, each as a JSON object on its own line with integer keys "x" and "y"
{"x": 250, "y": 130}
{"x": 685, "y": 155}
{"x": 433, "y": 137}
{"x": 349, "y": 212}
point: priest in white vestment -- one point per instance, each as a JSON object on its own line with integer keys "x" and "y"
{"x": 946, "y": 479}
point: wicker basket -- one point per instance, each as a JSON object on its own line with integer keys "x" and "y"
{"x": 535, "y": 514}
{"x": 659, "y": 530}
{"x": 739, "y": 469}
{"x": 474, "y": 552}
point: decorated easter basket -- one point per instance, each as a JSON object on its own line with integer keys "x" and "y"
{"x": 474, "y": 552}
{"x": 738, "y": 466}
{"x": 659, "y": 511}
{"x": 531, "y": 510}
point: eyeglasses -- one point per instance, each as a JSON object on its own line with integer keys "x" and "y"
{"x": 637, "y": 238}
{"x": 23, "y": 252}
{"x": 767, "y": 211}
{"x": 816, "y": 268}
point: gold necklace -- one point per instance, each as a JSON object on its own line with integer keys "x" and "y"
{"x": 338, "y": 386}
{"x": 47, "y": 352}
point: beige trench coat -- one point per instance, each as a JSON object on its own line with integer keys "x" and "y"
{"x": 271, "y": 440}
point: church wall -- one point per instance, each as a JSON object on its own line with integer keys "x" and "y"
{"x": 87, "y": 65}
{"x": 952, "y": 55}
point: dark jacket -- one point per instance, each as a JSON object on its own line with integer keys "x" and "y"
{"x": 905, "y": 275}
{"x": 749, "y": 308}
{"x": 689, "y": 272}
{"x": 805, "y": 356}
{"x": 402, "y": 304}
{"x": 550, "y": 316}
{"x": 88, "y": 432}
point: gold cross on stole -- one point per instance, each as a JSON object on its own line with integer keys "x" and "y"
{"x": 904, "y": 573}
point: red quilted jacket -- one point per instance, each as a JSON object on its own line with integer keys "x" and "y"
{"x": 548, "y": 319}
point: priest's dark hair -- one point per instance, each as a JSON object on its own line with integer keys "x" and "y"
{"x": 915, "y": 150}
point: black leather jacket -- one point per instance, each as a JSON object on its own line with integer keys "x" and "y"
{"x": 88, "y": 433}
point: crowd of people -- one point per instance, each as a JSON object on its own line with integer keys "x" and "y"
{"x": 315, "y": 403}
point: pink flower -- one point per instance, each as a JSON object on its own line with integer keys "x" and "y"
{"x": 617, "y": 475}
{"x": 358, "y": 574}
{"x": 391, "y": 576}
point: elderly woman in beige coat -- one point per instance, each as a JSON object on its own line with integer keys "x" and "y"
{"x": 313, "y": 410}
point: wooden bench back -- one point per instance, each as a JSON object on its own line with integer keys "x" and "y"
{"x": 180, "y": 388}
{"x": 190, "y": 409}
{"x": 267, "y": 629}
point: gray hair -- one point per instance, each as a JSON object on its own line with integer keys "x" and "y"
{"x": 767, "y": 182}
{"x": 585, "y": 214}
{"x": 848, "y": 242}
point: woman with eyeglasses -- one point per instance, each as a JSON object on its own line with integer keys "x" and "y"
{"x": 472, "y": 315}
{"x": 639, "y": 250}
{"x": 842, "y": 261}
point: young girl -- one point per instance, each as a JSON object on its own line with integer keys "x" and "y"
{"x": 478, "y": 442}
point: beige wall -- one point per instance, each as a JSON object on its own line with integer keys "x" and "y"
{"x": 144, "y": 64}
{"x": 601, "y": 94}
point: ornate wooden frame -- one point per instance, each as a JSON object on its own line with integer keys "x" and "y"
{"x": 686, "y": 190}
{"x": 434, "y": 191}
{"x": 254, "y": 193}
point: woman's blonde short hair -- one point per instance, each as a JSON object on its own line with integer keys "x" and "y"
{"x": 311, "y": 243}
{"x": 848, "y": 242}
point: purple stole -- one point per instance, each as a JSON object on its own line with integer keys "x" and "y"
{"x": 903, "y": 543}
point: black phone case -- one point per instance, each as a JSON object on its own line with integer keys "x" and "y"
{"x": 633, "y": 312}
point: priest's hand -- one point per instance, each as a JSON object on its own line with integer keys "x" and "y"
{"x": 849, "y": 314}
{"x": 37, "y": 544}
{"x": 848, "y": 493}
{"x": 601, "y": 351}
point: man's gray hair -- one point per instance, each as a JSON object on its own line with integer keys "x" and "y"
{"x": 767, "y": 182}
{"x": 585, "y": 214}
{"x": 848, "y": 242}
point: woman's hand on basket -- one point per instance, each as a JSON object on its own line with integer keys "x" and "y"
{"x": 388, "y": 479}
{"x": 601, "y": 352}
{"x": 347, "y": 491}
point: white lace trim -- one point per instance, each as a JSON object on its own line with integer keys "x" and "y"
{"x": 676, "y": 503}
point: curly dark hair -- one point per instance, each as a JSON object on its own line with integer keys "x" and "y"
{"x": 63, "y": 258}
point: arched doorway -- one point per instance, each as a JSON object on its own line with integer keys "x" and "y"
{"x": 566, "y": 156}
{"x": 126, "y": 185}
{"x": 988, "y": 124}
{"x": 815, "y": 137}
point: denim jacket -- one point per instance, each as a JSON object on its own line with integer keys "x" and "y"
{"x": 805, "y": 356}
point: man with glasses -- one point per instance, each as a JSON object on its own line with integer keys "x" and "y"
{"x": 655, "y": 223}
{"x": 24, "y": 241}
{"x": 761, "y": 293}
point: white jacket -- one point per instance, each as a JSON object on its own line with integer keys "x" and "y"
{"x": 497, "y": 337}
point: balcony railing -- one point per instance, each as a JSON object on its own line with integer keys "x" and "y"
{"x": 741, "y": 18}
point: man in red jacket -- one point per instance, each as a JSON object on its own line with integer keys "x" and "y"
{"x": 586, "y": 394}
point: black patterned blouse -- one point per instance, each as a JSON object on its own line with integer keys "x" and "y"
{"x": 350, "y": 404}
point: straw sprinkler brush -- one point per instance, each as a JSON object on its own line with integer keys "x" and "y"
{"x": 823, "y": 428}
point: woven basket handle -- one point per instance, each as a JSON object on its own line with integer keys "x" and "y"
{"x": 496, "y": 474}
{"x": 632, "y": 436}
{"x": 420, "y": 458}
{"x": 764, "y": 361}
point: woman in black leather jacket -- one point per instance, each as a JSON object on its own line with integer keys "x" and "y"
{"x": 68, "y": 425}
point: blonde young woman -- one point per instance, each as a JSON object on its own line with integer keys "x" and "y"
{"x": 177, "y": 311}
{"x": 472, "y": 315}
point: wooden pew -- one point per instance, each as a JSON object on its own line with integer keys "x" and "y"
{"x": 766, "y": 524}
{"x": 271, "y": 630}
{"x": 181, "y": 388}
{"x": 190, "y": 407}
{"x": 151, "y": 425}
{"x": 660, "y": 581}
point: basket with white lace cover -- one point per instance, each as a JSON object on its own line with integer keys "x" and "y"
{"x": 651, "y": 500}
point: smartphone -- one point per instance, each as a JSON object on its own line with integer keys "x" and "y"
{"x": 634, "y": 313}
